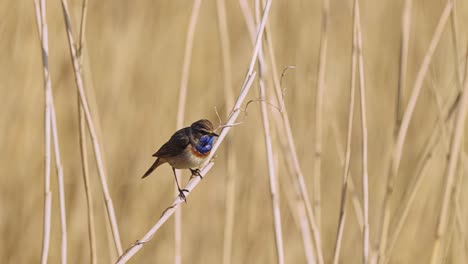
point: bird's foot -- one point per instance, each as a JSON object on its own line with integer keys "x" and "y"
{"x": 196, "y": 172}
{"x": 182, "y": 195}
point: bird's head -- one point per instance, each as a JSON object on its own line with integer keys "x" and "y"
{"x": 202, "y": 128}
{"x": 202, "y": 133}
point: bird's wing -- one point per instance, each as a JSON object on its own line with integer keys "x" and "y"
{"x": 176, "y": 144}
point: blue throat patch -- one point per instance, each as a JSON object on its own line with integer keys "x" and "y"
{"x": 205, "y": 144}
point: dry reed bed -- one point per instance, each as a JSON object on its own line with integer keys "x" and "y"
{"x": 299, "y": 154}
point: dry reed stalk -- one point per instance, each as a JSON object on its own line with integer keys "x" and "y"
{"x": 249, "y": 78}
{"x": 281, "y": 127}
{"x": 42, "y": 31}
{"x": 365, "y": 173}
{"x": 59, "y": 168}
{"x": 272, "y": 172}
{"x": 180, "y": 119}
{"x": 300, "y": 182}
{"x": 319, "y": 115}
{"x": 51, "y": 122}
{"x": 350, "y": 188}
{"x": 455, "y": 147}
{"x": 295, "y": 202}
{"x": 87, "y": 186}
{"x": 410, "y": 194}
{"x": 453, "y": 27}
{"x": 346, "y": 167}
{"x": 228, "y": 101}
{"x": 398, "y": 149}
{"x": 404, "y": 44}
{"x": 83, "y": 147}
{"x": 97, "y": 151}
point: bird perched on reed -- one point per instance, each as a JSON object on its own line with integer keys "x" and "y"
{"x": 188, "y": 148}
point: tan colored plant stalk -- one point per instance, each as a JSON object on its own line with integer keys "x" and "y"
{"x": 404, "y": 44}
{"x": 398, "y": 149}
{"x": 180, "y": 118}
{"x": 294, "y": 199}
{"x": 59, "y": 168}
{"x": 230, "y": 162}
{"x": 92, "y": 131}
{"x": 272, "y": 172}
{"x": 346, "y": 167}
{"x": 51, "y": 121}
{"x": 365, "y": 174}
{"x": 43, "y": 38}
{"x": 300, "y": 182}
{"x": 413, "y": 187}
{"x": 350, "y": 187}
{"x": 451, "y": 168}
{"x": 249, "y": 78}
{"x": 319, "y": 95}
{"x": 453, "y": 27}
{"x": 83, "y": 148}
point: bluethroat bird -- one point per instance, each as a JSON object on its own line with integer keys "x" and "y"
{"x": 188, "y": 148}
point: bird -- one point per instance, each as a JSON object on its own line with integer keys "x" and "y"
{"x": 187, "y": 148}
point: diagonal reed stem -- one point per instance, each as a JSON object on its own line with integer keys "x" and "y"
{"x": 346, "y": 167}
{"x": 97, "y": 151}
{"x": 272, "y": 172}
{"x": 455, "y": 147}
{"x": 398, "y": 149}
{"x": 51, "y": 125}
{"x": 83, "y": 147}
{"x": 319, "y": 95}
{"x": 180, "y": 118}
{"x": 230, "y": 162}
{"x": 43, "y": 38}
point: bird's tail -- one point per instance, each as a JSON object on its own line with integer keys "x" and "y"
{"x": 153, "y": 167}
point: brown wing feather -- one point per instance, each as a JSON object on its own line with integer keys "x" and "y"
{"x": 176, "y": 144}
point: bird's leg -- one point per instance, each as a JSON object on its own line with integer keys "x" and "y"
{"x": 195, "y": 172}
{"x": 181, "y": 191}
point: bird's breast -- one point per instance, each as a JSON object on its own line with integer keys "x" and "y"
{"x": 189, "y": 158}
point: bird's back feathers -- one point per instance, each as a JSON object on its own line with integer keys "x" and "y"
{"x": 176, "y": 144}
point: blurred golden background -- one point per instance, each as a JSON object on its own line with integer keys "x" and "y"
{"x": 135, "y": 51}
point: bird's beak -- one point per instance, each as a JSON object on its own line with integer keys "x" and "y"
{"x": 214, "y": 134}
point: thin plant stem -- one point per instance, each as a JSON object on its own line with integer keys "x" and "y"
{"x": 230, "y": 162}
{"x": 180, "y": 118}
{"x": 272, "y": 172}
{"x": 51, "y": 121}
{"x": 365, "y": 173}
{"x": 97, "y": 151}
{"x": 450, "y": 172}
{"x": 350, "y": 187}
{"x": 43, "y": 38}
{"x": 319, "y": 95}
{"x": 398, "y": 149}
{"x": 300, "y": 182}
{"x": 410, "y": 194}
{"x": 404, "y": 45}
{"x": 346, "y": 167}
{"x": 83, "y": 147}
{"x": 283, "y": 125}
{"x": 295, "y": 201}
{"x": 59, "y": 168}
{"x": 453, "y": 27}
